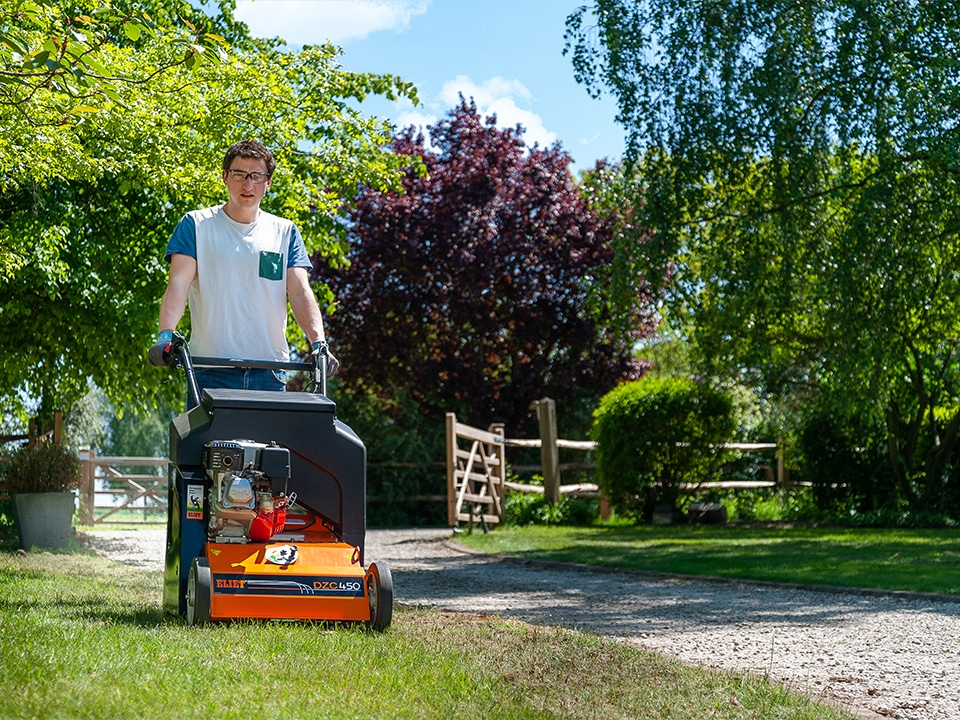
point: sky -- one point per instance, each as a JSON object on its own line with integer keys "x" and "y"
{"x": 507, "y": 55}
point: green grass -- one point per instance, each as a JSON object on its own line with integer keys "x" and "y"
{"x": 890, "y": 559}
{"x": 81, "y": 637}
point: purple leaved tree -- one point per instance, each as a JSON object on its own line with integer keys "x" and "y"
{"x": 481, "y": 288}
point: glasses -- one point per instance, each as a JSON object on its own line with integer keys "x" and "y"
{"x": 241, "y": 176}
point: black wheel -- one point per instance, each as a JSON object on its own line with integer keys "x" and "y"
{"x": 380, "y": 596}
{"x": 198, "y": 592}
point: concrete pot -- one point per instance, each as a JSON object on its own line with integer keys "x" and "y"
{"x": 44, "y": 519}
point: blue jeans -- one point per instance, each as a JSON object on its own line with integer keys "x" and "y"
{"x": 241, "y": 379}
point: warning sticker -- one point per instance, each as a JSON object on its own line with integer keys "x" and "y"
{"x": 194, "y": 502}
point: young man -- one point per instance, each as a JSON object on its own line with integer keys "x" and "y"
{"x": 237, "y": 266}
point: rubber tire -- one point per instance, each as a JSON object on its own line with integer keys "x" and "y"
{"x": 199, "y": 592}
{"x": 380, "y": 596}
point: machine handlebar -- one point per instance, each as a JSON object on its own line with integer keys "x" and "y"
{"x": 180, "y": 357}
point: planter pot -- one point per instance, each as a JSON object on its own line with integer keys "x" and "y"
{"x": 665, "y": 514}
{"x": 44, "y": 519}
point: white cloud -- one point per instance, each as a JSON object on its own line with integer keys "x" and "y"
{"x": 311, "y": 22}
{"x": 485, "y": 93}
{"x": 501, "y": 97}
{"x": 496, "y": 96}
{"x": 585, "y": 141}
{"x": 418, "y": 119}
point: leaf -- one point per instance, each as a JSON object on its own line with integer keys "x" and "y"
{"x": 37, "y": 60}
{"x": 111, "y": 93}
{"x": 132, "y": 30}
{"x": 14, "y": 43}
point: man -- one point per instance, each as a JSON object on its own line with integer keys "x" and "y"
{"x": 237, "y": 266}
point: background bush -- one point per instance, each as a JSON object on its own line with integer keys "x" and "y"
{"x": 653, "y": 435}
{"x": 523, "y": 508}
{"x": 844, "y": 458}
{"x": 405, "y": 453}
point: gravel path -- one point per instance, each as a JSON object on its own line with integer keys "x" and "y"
{"x": 882, "y": 655}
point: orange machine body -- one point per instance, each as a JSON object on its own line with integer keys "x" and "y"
{"x": 325, "y": 582}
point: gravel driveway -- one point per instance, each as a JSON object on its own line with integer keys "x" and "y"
{"x": 892, "y": 655}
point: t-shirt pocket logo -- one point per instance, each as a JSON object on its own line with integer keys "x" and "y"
{"x": 271, "y": 265}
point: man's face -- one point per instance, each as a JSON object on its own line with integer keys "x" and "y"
{"x": 245, "y": 193}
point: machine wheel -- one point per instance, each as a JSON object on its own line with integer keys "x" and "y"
{"x": 199, "y": 588}
{"x": 380, "y": 595}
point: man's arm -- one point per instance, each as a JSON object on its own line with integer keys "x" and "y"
{"x": 183, "y": 271}
{"x": 304, "y": 305}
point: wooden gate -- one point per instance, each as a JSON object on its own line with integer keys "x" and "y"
{"x": 476, "y": 469}
{"x": 136, "y": 492}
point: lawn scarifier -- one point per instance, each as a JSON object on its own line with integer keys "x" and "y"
{"x": 266, "y": 511}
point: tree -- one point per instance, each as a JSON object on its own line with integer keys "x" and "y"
{"x": 57, "y": 68}
{"x": 92, "y": 184}
{"x": 799, "y": 165}
{"x": 477, "y": 289}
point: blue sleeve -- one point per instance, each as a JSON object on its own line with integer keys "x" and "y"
{"x": 184, "y": 239}
{"x": 297, "y": 255}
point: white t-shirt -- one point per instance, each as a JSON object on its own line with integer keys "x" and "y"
{"x": 238, "y": 301}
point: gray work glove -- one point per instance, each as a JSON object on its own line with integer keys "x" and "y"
{"x": 159, "y": 352}
{"x": 332, "y": 363}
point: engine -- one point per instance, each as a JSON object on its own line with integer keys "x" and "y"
{"x": 247, "y": 491}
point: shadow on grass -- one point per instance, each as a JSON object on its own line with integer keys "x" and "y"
{"x": 89, "y": 610}
{"x": 919, "y": 560}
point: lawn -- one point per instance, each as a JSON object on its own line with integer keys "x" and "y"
{"x": 82, "y": 637}
{"x": 892, "y": 559}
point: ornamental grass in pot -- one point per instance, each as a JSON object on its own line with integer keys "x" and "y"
{"x": 41, "y": 481}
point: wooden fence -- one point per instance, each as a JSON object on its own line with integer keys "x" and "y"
{"x": 36, "y": 434}
{"x": 131, "y": 494}
{"x": 476, "y": 477}
{"x": 476, "y": 467}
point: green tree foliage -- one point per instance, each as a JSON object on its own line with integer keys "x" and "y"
{"x": 845, "y": 461}
{"x": 799, "y": 174}
{"x": 110, "y": 137}
{"x": 654, "y": 435}
{"x": 479, "y": 289}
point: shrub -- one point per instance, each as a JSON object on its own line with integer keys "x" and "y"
{"x": 402, "y": 446}
{"x": 43, "y": 468}
{"x": 844, "y": 458}
{"x": 521, "y": 509}
{"x": 792, "y": 504}
{"x": 653, "y": 435}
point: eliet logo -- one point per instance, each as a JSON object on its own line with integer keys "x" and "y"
{"x": 231, "y": 584}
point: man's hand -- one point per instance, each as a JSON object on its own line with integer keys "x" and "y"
{"x": 332, "y": 363}
{"x": 159, "y": 352}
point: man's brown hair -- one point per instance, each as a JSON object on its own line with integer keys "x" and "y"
{"x": 250, "y": 149}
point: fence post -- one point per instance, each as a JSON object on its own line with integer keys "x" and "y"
{"x": 451, "y": 433}
{"x": 782, "y": 476}
{"x": 500, "y": 450}
{"x": 606, "y": 512}
{"x": 549, "y": 452}
{"x": 87, "y": 487}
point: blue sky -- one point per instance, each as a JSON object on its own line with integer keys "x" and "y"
{"x": 505, "y": 54}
